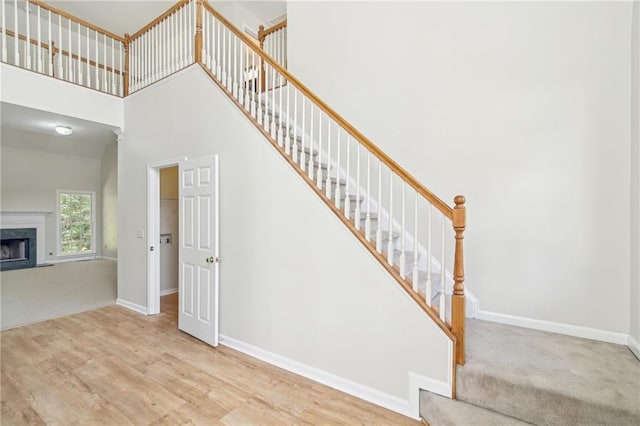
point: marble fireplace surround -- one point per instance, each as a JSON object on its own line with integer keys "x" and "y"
{"x": 28, "y": 219}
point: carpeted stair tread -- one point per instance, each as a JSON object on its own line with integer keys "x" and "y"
{"x": 547, "y": 378}
{"x": 440, "y": 411}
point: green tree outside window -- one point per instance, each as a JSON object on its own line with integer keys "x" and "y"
{"x": 76, "y": 223}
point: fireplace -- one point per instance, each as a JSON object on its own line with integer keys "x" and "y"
{"x": 18, "y": 248}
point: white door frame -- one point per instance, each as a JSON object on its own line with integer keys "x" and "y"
{"x": 153, "y": 231}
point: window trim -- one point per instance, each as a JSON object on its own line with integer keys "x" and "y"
{"x": 59, "y": 252}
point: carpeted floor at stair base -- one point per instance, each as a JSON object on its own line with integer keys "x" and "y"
{"x": 547, "y": 378}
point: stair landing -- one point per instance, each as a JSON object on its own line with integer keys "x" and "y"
{"x": 548, "y": 379}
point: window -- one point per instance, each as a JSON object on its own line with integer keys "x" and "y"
{"x": 76, "y": 219}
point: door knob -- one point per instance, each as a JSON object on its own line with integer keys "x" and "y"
{"x": 210, "y": 259}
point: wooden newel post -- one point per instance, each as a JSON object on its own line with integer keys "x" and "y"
{"x": 261, "y": 37}
{"x": 198, "y": 41}
{"x": 458, "y": 299}
{"x": 125, "y": 73}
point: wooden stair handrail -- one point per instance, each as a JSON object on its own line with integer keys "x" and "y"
{"x": 159, "y": 19}
{"x": 381, "y": 155}
{"x": 77, "y": 20}
{"x": 262, "y": 33}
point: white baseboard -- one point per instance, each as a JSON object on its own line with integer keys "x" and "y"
{"x": 634, "y": 345}
{"x": 71, "y": 259}
{"x": 556, "y": 327}
{"x": 168, "y": 291}
{"x": 358, "y": 390}
{"x": 133, "y": 306}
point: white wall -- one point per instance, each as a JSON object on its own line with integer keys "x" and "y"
{"x": 25, "y": 88}
{"x": 294, "y": 281}
{"x": 31, "y": 178}
{"x": 109, "y": 178}
{"x": 635, "y": 178}
{"x": 521, "y": 107}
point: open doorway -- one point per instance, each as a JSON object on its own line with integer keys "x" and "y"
{"x": 168, "y": 239}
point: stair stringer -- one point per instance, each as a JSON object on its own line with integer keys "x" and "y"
{"x": 293, "y": 283}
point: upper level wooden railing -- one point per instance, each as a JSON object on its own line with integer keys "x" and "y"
{"x": 45, "y": 39}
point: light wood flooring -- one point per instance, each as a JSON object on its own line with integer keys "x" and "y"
{"x": 113, "y": 366}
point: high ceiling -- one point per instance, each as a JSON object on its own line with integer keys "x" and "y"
{"x": 27, "y": 128}
{"x": 128, "y": 16}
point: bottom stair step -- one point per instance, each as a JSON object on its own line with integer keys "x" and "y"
{"x": 548, "y": 379}
{"x": 437, "y": 410}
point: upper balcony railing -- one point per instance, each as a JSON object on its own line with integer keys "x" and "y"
{"x": 44, "y": 39}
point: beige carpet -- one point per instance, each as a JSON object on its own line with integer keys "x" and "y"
{"x": 38, "y": 294}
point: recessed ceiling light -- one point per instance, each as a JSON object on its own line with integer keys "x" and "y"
{"x": 64, "y": 130}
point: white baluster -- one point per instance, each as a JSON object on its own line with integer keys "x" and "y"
{"x": 27, "y": 50}
{"x": 190, "y": 30}
{"x": 51, "y": 46}
{"x": 16, "y": 50}
{"x": 327, "y": 184}
{"x": 273, "y": 102}
{"x": 79, "y": 72}
{"x": 113, "y": 67}
{"x": 357, "y": 212}
{"x": 97, "y": 78}
{"x": 285, "y": 135}
{"x": 60, "y": 63}
{"x": 4, "y": 32}
{"x": 155, "y": 53}
{"x": 204, "y": 55}
{"x": 443, "y": 269}
{"x": 259, "y": 113}
{"x": 223, "y": 74}
{"x": 379, "y": 230}
{"x": 120, "y": 54}
{"x": 105, "y": 81}
{"x": 390, "y": 245}
{"x": 414, "y": 274}
{"x": 235, "y": 67}
{"x": 244, "y": 87}
{"x": 179, "y": 17}
{"x": 70, "y": 73}
{"x": 319, "y": 171}
{"x": 254, "y": 84}
{"x": 88, "y": 69}
{"x": 429, "y": 257}
{"x": 302, "y": 153}
{"x": 229, "y": 63}
{"x": 403, "y": 256}
{"x": 39, "y": 49}
{"x": 280, "y": 111}
{"x": 337, "y": 194}
{"x": 295, "y": 125}
{"x": 310, "y": 169}
{"x": 219, "y": 51}
{"x": 367, "y": 221}
{"x": 347, "y": 196}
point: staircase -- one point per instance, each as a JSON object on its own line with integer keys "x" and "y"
{"x": 520, "y": 376}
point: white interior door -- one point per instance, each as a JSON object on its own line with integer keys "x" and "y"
{"x": 198, "y": 253}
